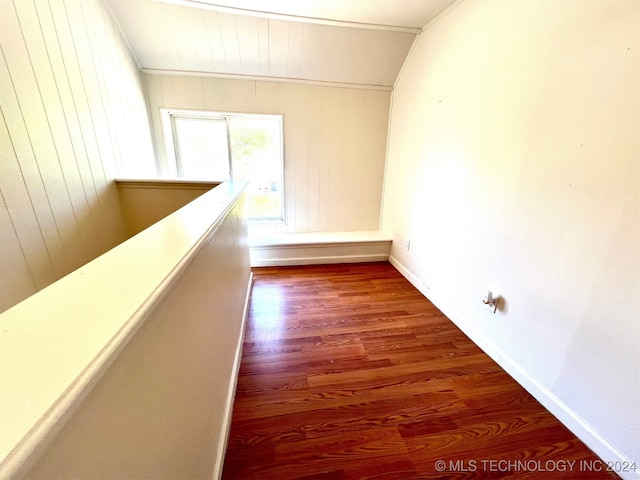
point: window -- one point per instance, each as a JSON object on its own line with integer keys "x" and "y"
{"x": 221, "y": 146}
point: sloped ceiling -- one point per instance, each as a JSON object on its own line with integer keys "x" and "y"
{"x": 360, "y": 42}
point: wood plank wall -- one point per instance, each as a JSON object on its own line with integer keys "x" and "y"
{"x": 335, "y": 143}
{"x": 73, "y": 116}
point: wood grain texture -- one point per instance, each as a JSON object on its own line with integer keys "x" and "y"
{"x": 348, "y": 372}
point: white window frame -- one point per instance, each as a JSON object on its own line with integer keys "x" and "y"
{"x": 171, "y": 167}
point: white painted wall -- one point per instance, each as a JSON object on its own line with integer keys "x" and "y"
{"x": 335, "y": 141}
{"x": 514, "y": 164}
{"x": 144, "y": 202}
{"x": 73, "y": 116}
{"x": 127, "y": 367}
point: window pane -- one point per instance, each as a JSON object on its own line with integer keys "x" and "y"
{"x": 202, "y": 148}
{"x": 207, "y": 143}
{"x": 256, "y": 151}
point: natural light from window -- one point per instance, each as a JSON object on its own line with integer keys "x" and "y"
{"x": 221, "y": 146}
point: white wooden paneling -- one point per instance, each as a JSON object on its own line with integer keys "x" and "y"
{"x": 86, "y": 81}
{"x": 175, "y": 37}
{"x": 105, "y": 79}
{"x": 53, "y": 143}
{"x": 209, "y": 94}
{"x": 327, "y": 129}
{"x": 212, "y": 26}
{"x": 296, "y": 147}
{"x": 195, "y": 92}
{"x": 229, "y": 37}
{"x": 263, "y": 47}
{"x": 334, "y": 139}
{"x": 242, "y": 96}
{"x": 68, "y": 131}
{"x": 248, "y": 44}
{"x": 314, "y": 162}
{"x": 376, "y": 120}
{"x": 73, "y": 115}
{"x": 154, "y": 95}
{"x": 12, "y": 258}
{"x": 187, "y": 46}
{"x": 406, "y": 13}
{"x": 278, "y": 35}
{"x": 294, "y": 49}
{"x": 26, "y": 217}
{"x": 24, "y": 111}
{"x": 83, "y": 93}
{"x": 307, "y": 45}
{"x": 180, "y": 91}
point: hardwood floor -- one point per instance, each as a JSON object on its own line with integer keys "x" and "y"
{"x": 348, "y": 372}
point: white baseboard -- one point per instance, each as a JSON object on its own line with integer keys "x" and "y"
{"x": 563, "y": 412}
{"x": 316, "y": 260}
{"x": 320, "y": 248}
{"x": 231, "y": 393}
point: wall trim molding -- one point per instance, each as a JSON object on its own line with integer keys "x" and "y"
{"x": 106, "y": 5}
{"x": 568, "y": 417}
{"x": 165, "y": 183}
{"x": 318, "y": 260}
{"x": 320, "y": 248}
{"x": 442, "y": 15}
{"x": 209, "y": 5}
{"x": 231, "y": 393}
{"x": 260, "y": 78}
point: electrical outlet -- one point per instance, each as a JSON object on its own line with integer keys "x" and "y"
{"x": 491, "y": 301}
{"x": 407, "y": 245}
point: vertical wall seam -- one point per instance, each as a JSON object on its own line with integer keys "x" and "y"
{"x": 26, "y": 188}
{"x": 24, "y": 256}
{"x": 90, "y": 207}
{"x": 51, "y": 134}
{"x": 42, "y": 182}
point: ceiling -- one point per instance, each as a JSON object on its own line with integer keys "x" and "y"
{"x": 361, "y": 42}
